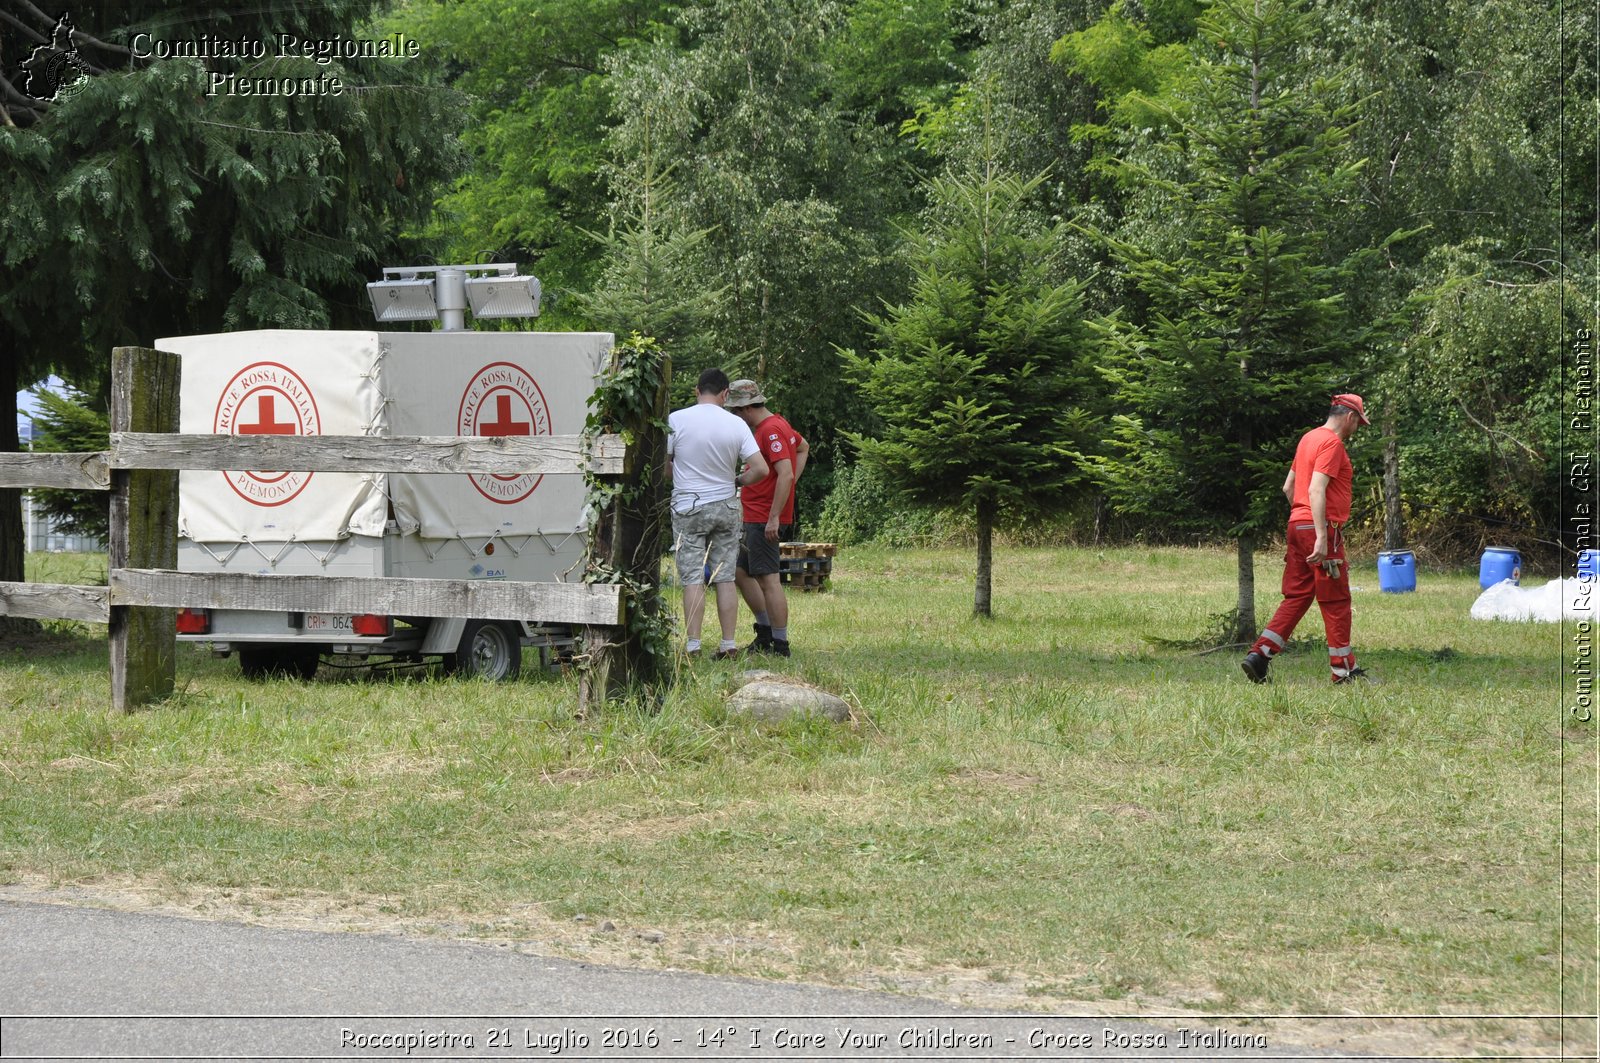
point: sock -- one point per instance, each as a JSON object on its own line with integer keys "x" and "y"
{"x": 763, "y": 619}
{"x": 781, "y": 634}
{"x": 694, "y": 644}
{"x": 729, "y": 644}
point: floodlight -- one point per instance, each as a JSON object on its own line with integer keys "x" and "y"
{"x": 402, "y": 300}
{"x": 442, "y": 293}
{"x": 501, "y": 296}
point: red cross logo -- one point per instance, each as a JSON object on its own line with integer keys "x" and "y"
{"x": 503, "y": 425}
{"x": 282, "y": 405}
{"x": 268, "y": 425}
{"x": 503, "y": 399}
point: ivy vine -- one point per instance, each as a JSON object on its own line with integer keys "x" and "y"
{"x": 625, "y": 404}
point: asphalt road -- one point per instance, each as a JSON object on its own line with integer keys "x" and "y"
{"x": 86, "y": 983}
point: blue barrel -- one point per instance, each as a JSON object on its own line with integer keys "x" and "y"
{"x": 1397, "y": 571}
{"x": 1499, "y": 563}
{"x": 1589, "y": 564}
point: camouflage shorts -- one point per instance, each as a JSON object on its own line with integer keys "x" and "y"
{"x": 707, "y": 536}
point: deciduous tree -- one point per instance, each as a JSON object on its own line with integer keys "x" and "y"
{"x": 536, "y": 74}
{"x": 794, "y": 192}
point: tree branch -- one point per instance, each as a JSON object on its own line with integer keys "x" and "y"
{"x": 33, "y": 34}
{"x": 258, "y": 129}
{"x": 23, "y": 103}
{"x": 572, "y": 64}
{"x": 1395, "y": 160}
{"x": 162, "y": 266}
{"x": 78, "y": 34}
{"x": 1534, "y": 454}
{"x": 1540, "y": 265}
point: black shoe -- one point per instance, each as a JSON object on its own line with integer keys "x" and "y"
{"x": 1357, "y": 676}
{"x": 763, "y": 642}
{"x": 1255, "y": 666}
{"x": 778, "y": 647}
{"x": 726, "y": 655}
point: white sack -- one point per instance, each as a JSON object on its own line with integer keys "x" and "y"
{"x": 1560, "y": 597}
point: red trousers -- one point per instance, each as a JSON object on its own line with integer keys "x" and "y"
{"x": 1304, "y": 582}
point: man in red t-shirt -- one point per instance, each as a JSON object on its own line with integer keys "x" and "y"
{"x": 1319, "y": 488}
{"x": 768, "y": 506}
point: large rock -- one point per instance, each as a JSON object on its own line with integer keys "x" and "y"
{"x": 773, "y": 698}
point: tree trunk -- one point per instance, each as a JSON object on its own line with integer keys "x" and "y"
{"x": 1244, "y": 624}
{"x": 640, "y": 529}
{"x": 982, "y": 600}
{"x": 1394, "y": 529}
{"x": 628, "y": 537}
{"x": 12, "y": 535}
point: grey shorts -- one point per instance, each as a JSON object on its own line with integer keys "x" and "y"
{"x": 757, "y": 556}
{"x": 707, "y": 537}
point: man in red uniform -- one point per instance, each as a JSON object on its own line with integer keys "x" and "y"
{"x": 768, "y": 506}
{"x": 1319, "y": 488}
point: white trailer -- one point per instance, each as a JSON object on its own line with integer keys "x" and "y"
{"x": 441, "y": 526}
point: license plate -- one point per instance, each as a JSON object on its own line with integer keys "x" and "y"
{"x": 335, "y": 622}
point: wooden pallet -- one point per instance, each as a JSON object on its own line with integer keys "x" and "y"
{"x": 805, "y": 581}
{"x": 807, "y": 549}
{"x": 806, "y": 566}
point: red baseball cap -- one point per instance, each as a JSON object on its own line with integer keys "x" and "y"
{"x": 1353, "y": 402}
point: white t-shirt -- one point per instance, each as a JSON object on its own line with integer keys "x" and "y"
{"x": 707, "y": 445}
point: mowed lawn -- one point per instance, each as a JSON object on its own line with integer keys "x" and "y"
{"x": 1049, "y": 801}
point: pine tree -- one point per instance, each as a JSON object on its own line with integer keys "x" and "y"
{"x": 145, "y": 198}
{"x": 1243, "y": 336}
{"x": 980, "y": 379}
{"x": 66, "y": 424}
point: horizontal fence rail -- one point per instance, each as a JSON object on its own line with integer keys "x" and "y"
{"x": 56, "y": 601}
{"x": 68, "y": 472}
{"x": 504, "y": 455}
{"x": 557, "y": 603}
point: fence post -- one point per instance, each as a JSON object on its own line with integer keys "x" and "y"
{"x": 144, "y": 527}
{"x": 629, "y": 539}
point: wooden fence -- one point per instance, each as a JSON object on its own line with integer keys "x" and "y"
{"x": 143, "y": 589}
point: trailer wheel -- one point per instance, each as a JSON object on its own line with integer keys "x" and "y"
{"x": 489, "y": 649}
{"x": 266, "y": 662}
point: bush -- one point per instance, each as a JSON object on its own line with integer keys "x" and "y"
{"x": 862, "y": 508}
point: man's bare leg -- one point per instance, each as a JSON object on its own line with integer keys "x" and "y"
{"x": 727, "y": 610}
{"x": 694, "y": 611}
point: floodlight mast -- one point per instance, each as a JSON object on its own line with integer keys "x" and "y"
{"x": 450, "y": 292}
{"x": 405, "y": 295}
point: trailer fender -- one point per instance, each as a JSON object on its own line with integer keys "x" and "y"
{"x": 444, "y": 634}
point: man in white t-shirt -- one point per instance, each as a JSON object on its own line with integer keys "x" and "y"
{"x": 706, "y": 445}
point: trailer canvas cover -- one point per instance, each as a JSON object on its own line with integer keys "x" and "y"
{"x": 382, "y": 384}
{"x": 282, "y": 383}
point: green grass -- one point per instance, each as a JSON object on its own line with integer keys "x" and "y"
{"x": 1048, "y": 801}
